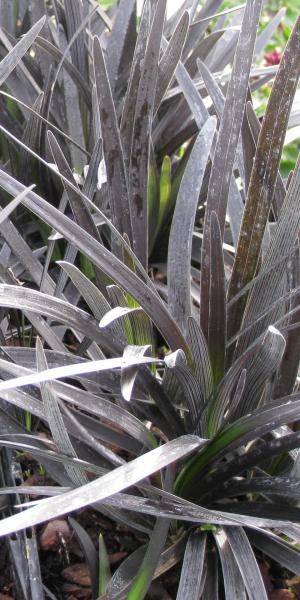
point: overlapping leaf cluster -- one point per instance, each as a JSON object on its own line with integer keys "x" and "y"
{"x": 149, "y": 269}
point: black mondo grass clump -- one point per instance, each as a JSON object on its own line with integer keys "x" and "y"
{"x": 149, "y": 267}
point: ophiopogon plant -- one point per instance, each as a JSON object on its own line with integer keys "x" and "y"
{"x": 155, "y": 268}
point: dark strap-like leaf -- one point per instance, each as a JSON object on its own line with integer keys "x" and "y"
{"x": 117, "y": 39}
{"x": 180, "y": 242}
{"x": 233, "y": 436}
{"x": 228, "y": 137}
{"x": 191, "y": 580}
{"x": 140, "y": 149}
{"x": 233, "y": 581}
{"x": 170, "y": 59}
{"x": 127, "y": 120}
{"x": 8, "y": 64}
{"x": 89, "y": 550}
{"x": 264, "y": 174}
{"x": 103, "y": 487}
{"x": 73, "y": 22}
{"x": 106, "y": 261}
{"x": 247, "y": 564}
{"x": 268, "y": 289}
{"x": 217, "y": 302}
{"x": 56, "y": 423}
{"x": 112, "y": 147}
{"x": 275, "y": 547}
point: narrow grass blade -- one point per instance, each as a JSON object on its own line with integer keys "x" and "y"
{"x": 127, "y": 119}
{"x": 233, "y": 436}
{"x": 200, "y": 48}
{"x": 117, "y": 40}
{"x": 68, "y": 371}
{"x": 201, "y": 360}
{"x": 112, "y": 147}
{"x": 150, "y": 562}
{"x": 118, "y": 312}
{"x": 247, "y": 564}
{"x": 57, "y": 427}
{"x": 75, "y": 318}
{"x": 89, "y": 550}
{"x": 105, "y": 486}
{"x": 228, "y": 137}
{"x": 104, "y": 569}
{"x": 80, "y": 211}
{"x": 73, "y": 114}
{"x": 288, "y": 372}
{"x": 11, "y": 60}
{"x": 106, "y": 261}
{"x": 170, "y": 59}
{"x": 277, "y": 549}
{"x": 264, "y": 38}
{"x": 261, "y": 190}
{"x": 92, "y": 296}
{"x": 179, "y": 261}
{"x": 13, "y": 204}
{"x": 31, "y": 138}
{"x": 268, "y": 288}
{"x": 191, "y": 582}
{"x": 7, "y": 16}
{"x": 34, "y": 565}
{"x": 211, "y": 583}
{"x": 217, "y": 302}
{"x": 123, "y": 577}
{"x": 73, "y": 22}
{"x": 233, "y": 582}
{"x": 140, "y": 149}
{"x": 235, "y": 205}
{"x": 282, "y": 486}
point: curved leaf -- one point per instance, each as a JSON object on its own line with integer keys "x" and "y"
{"x": 103, "y": 487}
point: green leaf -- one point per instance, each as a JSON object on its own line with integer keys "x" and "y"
{"x": 104, "y": 570}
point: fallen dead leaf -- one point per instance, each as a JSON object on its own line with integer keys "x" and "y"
{"x": 79, "y": 574}
{"x": 53, "y": 533}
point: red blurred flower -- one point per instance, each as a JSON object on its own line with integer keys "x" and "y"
{"x": 273, "y": 58}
